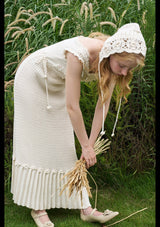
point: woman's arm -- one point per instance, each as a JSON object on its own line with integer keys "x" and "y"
{"x": 97, "y": 120}
{"x": 72, "y": 89}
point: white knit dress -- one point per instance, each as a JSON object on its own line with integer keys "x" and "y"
{"x": 43, "y": 139}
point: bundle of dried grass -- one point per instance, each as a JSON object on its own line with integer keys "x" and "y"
{"x": 77, "y": 177}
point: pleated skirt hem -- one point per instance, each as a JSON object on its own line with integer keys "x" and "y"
{"x": 39, "y": 189}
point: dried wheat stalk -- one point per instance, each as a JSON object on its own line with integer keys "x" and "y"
{"x": 35, "y": 14}
{"x": 20, "y": 10}
{"x": 108, "y": 22}
{"x": 8, "y": 84}
{"x": 17, "y": 21}
{"x": 30, "y": 10}
{"x": 77, "y": 177}
{"x": 7, "y": 15}
{"x": 9, "y": 41}
{"x": 154, "y": 39}
{"x": 143, "y": 17}
{"x": 91, "y": 11}
{"x": 26, "y": 41}
{"x": 62, "y": 26}
{"x": 17, "y": 34}
{"x": 53, "y": 22}
{"x": 113, "y": 13}
{"x": 138, "y": 4}
{"x": 121, "y": 17}
{"x": 84, "y": 4}
{"x": 18, "y": 55}
{"x": 12, "y": 63}
{"x": 11, "y": 28}
{"x": 61, "y": 4}
{"x": 23, "y": 57}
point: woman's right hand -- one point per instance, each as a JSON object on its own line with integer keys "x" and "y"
{"x": 89, "y": 155}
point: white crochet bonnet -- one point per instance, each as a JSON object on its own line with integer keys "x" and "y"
{"x": 128, "y": 39}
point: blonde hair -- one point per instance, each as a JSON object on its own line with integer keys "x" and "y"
{"x": 122, "y": 82}
{"x": 99, "y": 35}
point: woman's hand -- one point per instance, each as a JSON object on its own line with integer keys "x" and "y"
{"x": 89, "y": 155}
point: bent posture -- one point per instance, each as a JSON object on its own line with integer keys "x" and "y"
{"x": 47, "y": 113}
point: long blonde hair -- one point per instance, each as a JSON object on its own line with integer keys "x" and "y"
{"x": 122, "y": 82}
{"x": 99, "y": 35}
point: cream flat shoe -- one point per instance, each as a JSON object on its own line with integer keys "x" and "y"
{"x": 37, "y": 221}
{"x": 106, "y": 216}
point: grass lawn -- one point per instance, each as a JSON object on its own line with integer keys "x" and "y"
{"x": 130, "y": 195}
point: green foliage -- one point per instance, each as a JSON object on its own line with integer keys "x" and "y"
{"x": 133, "y": 147}
{"x": 8, "y": 122}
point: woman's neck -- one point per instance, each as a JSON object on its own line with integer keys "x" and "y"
{"x": 94, "y": 51}
{"x": 94, "y": 47}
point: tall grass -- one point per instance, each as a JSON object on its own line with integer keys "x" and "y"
{"x": 30, "y": 25}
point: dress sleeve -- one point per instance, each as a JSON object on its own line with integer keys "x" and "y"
{"x": 81, "y": 53}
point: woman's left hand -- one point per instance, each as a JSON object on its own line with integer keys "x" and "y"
{"x": 89, "y": 155}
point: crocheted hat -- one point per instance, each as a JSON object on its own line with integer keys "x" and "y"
{"x": 128, "y": 38}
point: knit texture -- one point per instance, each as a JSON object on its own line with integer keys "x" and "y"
{"x": 128, "y": 38}
{"x": 43, "y": 139}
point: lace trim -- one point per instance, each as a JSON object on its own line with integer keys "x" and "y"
{"x": 120, "y": 45}
{"x": 85, "y": 53}
{"x": 59, "y": 68}
{"x": 80, "y": 52}
{"x": 38, "y": 169}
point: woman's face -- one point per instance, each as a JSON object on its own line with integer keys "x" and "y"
{"x": 120, "y": 66}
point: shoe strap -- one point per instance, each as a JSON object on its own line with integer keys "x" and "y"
{"x": 93, "y": 211}
{"x": 39, "y": 215}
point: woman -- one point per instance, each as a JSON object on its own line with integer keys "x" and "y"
{"x": 47, "y": 111}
